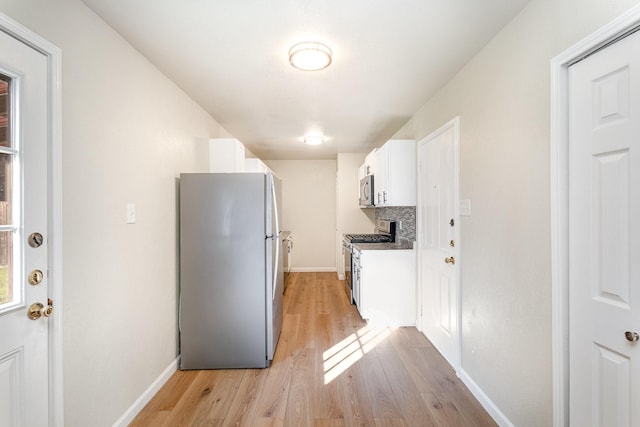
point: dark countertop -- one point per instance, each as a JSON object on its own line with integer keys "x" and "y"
{"x": 401, "y": 245}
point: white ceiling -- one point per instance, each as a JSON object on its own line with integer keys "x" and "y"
{"x": 231, "y": 56}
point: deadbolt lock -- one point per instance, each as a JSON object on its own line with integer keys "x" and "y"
{"x": 452, "y": 222}
{"x": 632, "y": 336}
{"x": 37, "y": 310}
{"x": 450, "y": 260}
{"x": 35, "y": 240}
{"x": 35, "y": 277}
{"x": 452, "y": 243}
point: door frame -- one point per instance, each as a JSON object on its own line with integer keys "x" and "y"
{"x": 455, "y": 124}
{"x": 54, "y": 195}
{"x": 559, "y": 156}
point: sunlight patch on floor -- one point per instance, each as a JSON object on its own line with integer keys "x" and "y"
{"x": 341, "y": 356}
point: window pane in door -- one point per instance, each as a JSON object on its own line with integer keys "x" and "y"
{"x": 5, "y": 188}
{"x": 5, "y": 109}
{"x": 10, "y": 293}
{"x": 6, "y": 285}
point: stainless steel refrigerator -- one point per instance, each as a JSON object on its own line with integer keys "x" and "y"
{"x": 231, "y": 278}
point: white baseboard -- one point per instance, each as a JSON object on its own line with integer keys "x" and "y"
{"x": 146, "y": 396}
{"x": 312, "y": 269}
{"x": 484, "y": 400}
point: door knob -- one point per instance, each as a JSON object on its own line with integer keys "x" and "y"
{"x": 631, "y": 336}
{"x": 37, "y": 310}
{"x": 450, "y": 260}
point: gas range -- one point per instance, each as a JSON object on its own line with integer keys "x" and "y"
{"x": 384, "y": 233}
{"x": 367, "y": 238}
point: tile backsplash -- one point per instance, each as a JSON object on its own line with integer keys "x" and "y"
{"x": 406, "y": 214}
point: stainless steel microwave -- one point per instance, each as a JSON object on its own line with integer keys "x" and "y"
{"x": 366, "y": 192}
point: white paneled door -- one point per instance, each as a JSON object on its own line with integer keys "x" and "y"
{"x": 24, "y": 304}
{"x": 438, "y": 241}
{"x": 604, "y": 236}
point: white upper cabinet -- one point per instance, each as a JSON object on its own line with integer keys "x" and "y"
{"x": 362, "y": 172}
{"x": 256, "y": 165}
{"x": 226, "y": 155}
{"x": 395, "y": 173}
{"x": 370, "y": 163}
{"x": 381, "y": 178}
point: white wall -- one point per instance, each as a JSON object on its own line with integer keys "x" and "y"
{"x": 502, "y": 97}
{"x": 309, "y": 211}
{"x": 127, "y": 134}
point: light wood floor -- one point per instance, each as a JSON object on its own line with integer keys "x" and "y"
{"x": 329, "y": 369}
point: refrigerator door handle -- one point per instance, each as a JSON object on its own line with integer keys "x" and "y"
{"x": 275, "y": 206}
{"x": 275, "y": 271}
{"x": 275, "y": 236}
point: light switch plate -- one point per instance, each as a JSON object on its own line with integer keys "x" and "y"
{"x": 131, "y": 213}
{"x": 464, "y": 207}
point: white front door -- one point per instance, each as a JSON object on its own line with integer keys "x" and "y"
{"x": 604, "y": 237}
{"x": 24, "y": 376}
{"x": 437, "y": 240}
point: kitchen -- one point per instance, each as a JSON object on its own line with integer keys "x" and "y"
{"x": 394, "y": 209}
{"x": 119, "y": 279}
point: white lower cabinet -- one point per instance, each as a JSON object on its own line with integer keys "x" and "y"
{"x": 386, "y": 286}
{"x": 356, "y": 277}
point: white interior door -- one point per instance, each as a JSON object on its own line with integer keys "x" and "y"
{"x": 438, "y": 240}
{"x": 604, "y": 236}
{"x": 23, "y": 253}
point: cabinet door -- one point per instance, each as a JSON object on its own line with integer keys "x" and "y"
{"x": 381, "y": 183}
{"x": 401, "y": 173}
{"x": 396, "y": 173}
{"x": 370, "y": 163}
{"x": 226, "y": 155}
{"x": 381, "y": 303}
{"x": 361, "y": 172}
{"x": 357, "y": 280}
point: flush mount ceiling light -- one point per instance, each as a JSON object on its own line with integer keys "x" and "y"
{"x": 310, "y": 56}
{"x": 313, "y": 139}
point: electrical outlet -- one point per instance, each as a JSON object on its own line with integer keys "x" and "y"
{"x": 464, "y": 207}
